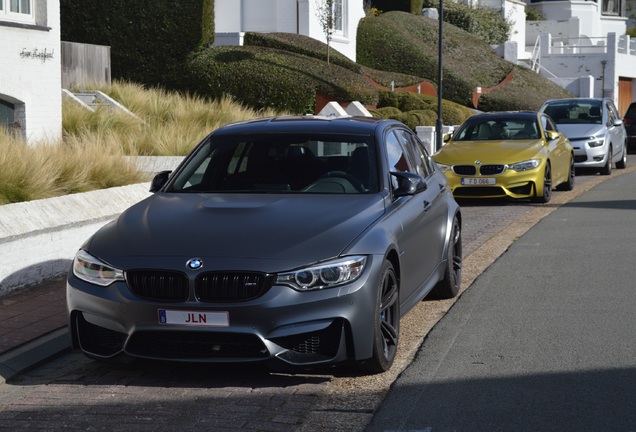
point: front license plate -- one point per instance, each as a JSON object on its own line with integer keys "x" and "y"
{"x": 194, "y": 318}
{"x": 479, "y": 181}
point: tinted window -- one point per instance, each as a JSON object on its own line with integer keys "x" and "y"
{"x": 291, "y": 163}
{"x": 498, "y": 128}
{"x": 574, "y": 112}
{"x": 417, "y": 152}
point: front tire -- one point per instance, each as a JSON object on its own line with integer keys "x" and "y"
{"x": 386, "y": 323}
{"x": 607, "y": 168}
{"x": 622, "y": 164}
{"x": 568, "y": 185}
{"x": 547, "y": 186}
{"x": 449, "y": 286}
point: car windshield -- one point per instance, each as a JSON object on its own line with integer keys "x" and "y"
{"x": 285, "y": 163}
{"x": 512, "y": 128}
{"x": 575, "y": 112}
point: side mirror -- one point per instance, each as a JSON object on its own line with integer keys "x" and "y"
{"x": 618, "y": 122}
{"x": 447, "y": 137}
{"x": 408, "y": 183}
{"x": 159, "y": 180}
{"x": 552, "y": 135}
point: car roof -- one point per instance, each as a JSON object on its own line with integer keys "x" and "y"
{"x": 306, "y": 124}
{"x": 501, "y": 115}
{"x": 569, "y": 100}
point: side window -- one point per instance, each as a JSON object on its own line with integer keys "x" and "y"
{"x": 548, "y": 124}
{"x": 417, "y": 152}
{"x": 611, "y": 114}
{"x": 397, "y": 157}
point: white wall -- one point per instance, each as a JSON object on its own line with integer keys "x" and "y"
{"x": 234, "y": 17}
{"x": 30, "y": 73}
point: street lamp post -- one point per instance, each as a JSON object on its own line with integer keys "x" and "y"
{"x": 440, "y": 86}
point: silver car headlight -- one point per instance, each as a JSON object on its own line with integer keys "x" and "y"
{"x": 595, "y": 142}
{"x": 525, "y": 165}
{"x": 325, "y": 275}
{"x": 92, "y": 270}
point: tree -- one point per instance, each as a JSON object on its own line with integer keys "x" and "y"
{"x": 325, "y": 14}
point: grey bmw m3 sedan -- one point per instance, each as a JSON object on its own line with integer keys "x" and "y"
{"x": 296, "y": 241}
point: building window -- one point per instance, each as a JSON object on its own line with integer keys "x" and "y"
{"x": 338, "y": 11}
{"x": 17, "y": 11}
{"x": 611, "y": 7}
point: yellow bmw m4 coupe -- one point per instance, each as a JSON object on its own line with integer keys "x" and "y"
{"x": 519, "y": 155}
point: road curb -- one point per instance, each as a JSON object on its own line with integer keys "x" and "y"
{"x": 33, "y": 354}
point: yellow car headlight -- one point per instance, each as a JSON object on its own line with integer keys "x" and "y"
{"x": 525, "y": 165}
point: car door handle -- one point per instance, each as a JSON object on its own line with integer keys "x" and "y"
{"x": 427, "y": 205}
{"x": 442, "y": 187}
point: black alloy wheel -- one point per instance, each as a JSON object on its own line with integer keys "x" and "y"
{"x": 449, "y": 286}
{"x": 547, "y": 186}
{"x": 386, "y": 326}
{"x": 569, "y": 185}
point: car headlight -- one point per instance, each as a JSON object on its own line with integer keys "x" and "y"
{"x": 92, "y": 270}
{"x": 326, "y": 275}
{"x": 525, "y": 165}
{"x": 595, "y": 142}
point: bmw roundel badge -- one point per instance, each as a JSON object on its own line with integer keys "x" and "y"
{"x": 194, "y": 264}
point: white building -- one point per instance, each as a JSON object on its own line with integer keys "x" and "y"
{"x": 581, "y": 45}
{"x": 30, "y": 69}
{"x": 232, "y": 18}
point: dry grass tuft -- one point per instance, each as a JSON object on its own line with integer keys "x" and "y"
{"x": 93, "y": 151}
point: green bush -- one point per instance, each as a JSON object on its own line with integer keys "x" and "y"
{"x": 531, "y": 87}
{"x": 300, "y": 44}
{"x": 484, "y": 22}
{"x": 149, "y": 42}
{"x": 533, "y": 15}
{"x": 405, "y": 43}
{"x": 269, "y": 78}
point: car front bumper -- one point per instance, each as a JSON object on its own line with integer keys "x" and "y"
{"x": 589, "y": 157}
{"x": 283, "y": 325}
{"x": 512, "y": 184}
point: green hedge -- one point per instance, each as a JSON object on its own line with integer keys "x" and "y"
{"x": 532, "y": 88}
{"x": 270, "y": 78}
{"x": 402, "y": 42}
{"x": 421, "y": 110}
{"x": 149, "y": 41}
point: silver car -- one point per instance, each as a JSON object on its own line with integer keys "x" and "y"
{"x": 595, "y": 130}
{"x": 299, "y": 241}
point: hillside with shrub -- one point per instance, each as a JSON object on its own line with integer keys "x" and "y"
{"x": 407, "y": 43}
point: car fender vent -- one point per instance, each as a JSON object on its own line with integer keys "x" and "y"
{"x": 97, "y": 340}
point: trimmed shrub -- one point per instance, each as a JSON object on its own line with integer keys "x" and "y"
{"x": 149, "y": 41}
{"x": 269, "y": 78}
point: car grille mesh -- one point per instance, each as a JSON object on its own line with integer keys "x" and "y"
{"x": 158, "y": 285}
{"x": 171, "y": 286}
{"x": 227, "y": 287}
{"x": 98, "y": 340}
{"x": 491, "y": 169}
{"x": 471, "y": 170}
{"x": 465, "y": 170}
{"x": 195, "y": 345}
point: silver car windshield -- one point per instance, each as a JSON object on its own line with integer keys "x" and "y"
{"x": 281, "y": 164}
{"x": 581, "y": 112}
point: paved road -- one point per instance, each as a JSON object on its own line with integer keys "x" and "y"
{"x": 544, "y": 340}
{"x": 76, "y": 392}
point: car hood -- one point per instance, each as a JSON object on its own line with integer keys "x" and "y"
{"x": 581, "y": 131}
{"x": 289, "y": 228}
{"x": 488, "y": 152}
